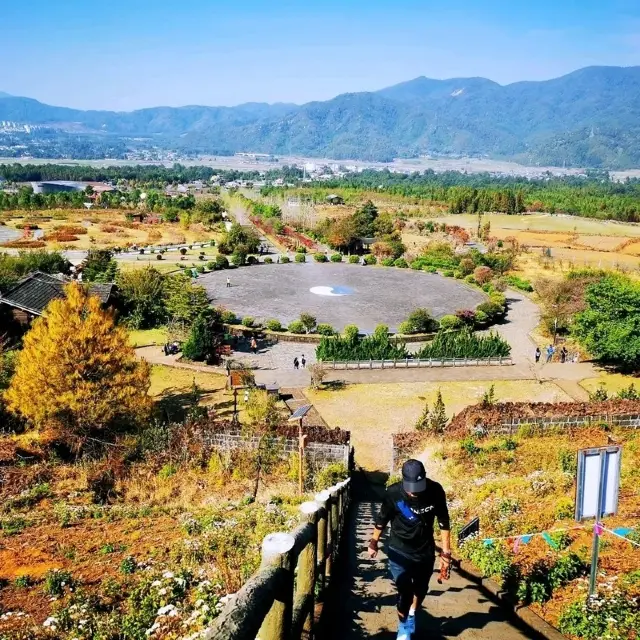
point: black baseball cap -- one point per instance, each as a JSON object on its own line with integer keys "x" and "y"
{"x": 414, "y": 477}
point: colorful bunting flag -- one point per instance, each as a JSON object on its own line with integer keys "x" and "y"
{"x": 549, "y": 540}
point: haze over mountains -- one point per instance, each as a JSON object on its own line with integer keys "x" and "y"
{"x": 588, "y": 118}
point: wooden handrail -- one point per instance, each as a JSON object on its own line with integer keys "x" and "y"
{"x": 268, "y": 606}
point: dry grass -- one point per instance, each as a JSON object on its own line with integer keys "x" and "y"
{"x": 613, "y": 382}
{"x": 372, "y": 412}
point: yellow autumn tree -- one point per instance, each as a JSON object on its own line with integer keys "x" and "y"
{"x": 77, "y": 377}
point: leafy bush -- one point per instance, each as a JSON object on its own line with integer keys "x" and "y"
{"x": 285, "y": 260}
{"x": 200, "y": 268}
{"x": 320, "y": 257}
{"x": 490, "y": 309}
{"x": 482, "y": 275}
{"x": 296, "y": 327}
{"x": 228, "y": 317}
{"x": 493, "y": 560}
{"x": 301, "y": 249}
{"x": 400, "y": 263}
{"x": 370, "y": 259}
{"x": 466, "y": 266}
{"x": 405, "y": 328}
{"x": 481, "y": 318}
{"x": 252, "y": 260}
{"x": 465, "y": 344}
{"x": 238, "y": 259}
{"x": 325, "y": 329}
{"x": 336, "y": 257}
{"x": 308, "y": 321}
{"x": 354, "y": 259}
{"x": 128, "y": 565}
{"x": 268, "y": 260}
{"x": 448, "y": 273}
{"x": 221, "y": 262}
{"x": 330, "y": 475}
{"x": 519, "y": 283}
{"x": 300, "y": 257}
{"x": 449, "y": 322}
{"x": 430, "y": 269}
{"x": 211, "y": 265}
{"x": 387, "y": 262}
{"x": 470, "y": 279}
{"x": 248, "y": 321}
{"x": 55, "y": 582}
{"x": 273, "y": 325}
{"x": 420, "y": 321}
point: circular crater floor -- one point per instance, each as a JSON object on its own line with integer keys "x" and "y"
{"x": 339, "y": 294}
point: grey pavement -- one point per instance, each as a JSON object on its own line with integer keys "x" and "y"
{"x": 349, "y": 294}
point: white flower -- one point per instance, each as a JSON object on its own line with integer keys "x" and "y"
{"x": 156, "y": 583}
{"x": 167, "y": 574}
{"x": 50, "y": 622}
{"x": 162, "y": 592}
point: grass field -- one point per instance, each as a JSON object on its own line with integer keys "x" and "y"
{"x": 372, "y": 412}
{"x": 613, "y": 382}
{"x": 145, "y": 337}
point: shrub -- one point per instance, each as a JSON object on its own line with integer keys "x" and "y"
{"x": 330, "y": 475}
{"x": 352, "y": 346}
{"x": 159, "y": 256}
{"x": 449, "y": 322}
{"x": 296, "y": 327}
{"x": 387, "y": 262}
{"x": 481, "y": 318}
{"x": 405, "y": 328}
{"x": 370, "y": 259}
{"x": 490, "y": 309}
{"x": 401, "y": 263}
{"x": 466, "y": 316}
{"x": 200, "y": 268}
{"x": 248, "y": 321}
{"x": 183, "y": 251}
{"x": 268, "y": 260}
{"x": 320, "y": 257}
{"x": 55, "y": 582}
{"x": 336, "y": 257}
{"x": 429, "y": 269}
{"x": 325, "y": 329}
{"x": 300, "y": 257}
{"x": 128, "y": 565}
{"x": 470, "y": 279}
{"x": 228, "y": 317}
{"x": 252, "y": 260}
{"x": 354, "y": 259}
{"x": 483, "y": 275}
{"x": 457, "y": 275}
{"x": 466, "y": 266}
{"x": 211, "y": 265}
{"x": 222, "y": 262}
{"x": 519, "y": 283}
{"x": 273, "y": 325}
{"x": 238, "y": 259}
{"x": 448, "y": 273}
{"x": 308, "y": 321}
{"x": 285, "y": 260}
{"x": 301, "y": 249}
{"x": 421, "y": 321}
{"x": 167, "y": 471}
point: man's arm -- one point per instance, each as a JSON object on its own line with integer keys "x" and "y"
{"x": 442, "y": 513}
{"x": 384, "y": 515}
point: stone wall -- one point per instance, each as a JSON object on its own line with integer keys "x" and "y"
{"x": 319, "y": 454}
{"x": 511, "y": 426}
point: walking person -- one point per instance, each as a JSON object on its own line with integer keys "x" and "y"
{"x": 303, "y": 362}
{"x": 296, "y": 363}
{"x": 563, "y": 354}
{"x": 228, "y": 281}
{"x": 550, "y": 351}
{"x": 538, "y": 354}
{"x": 412, "y": 506}
{"x": 254, "y": 345}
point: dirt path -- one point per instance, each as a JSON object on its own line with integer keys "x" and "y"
{"x": 363, "y": 602}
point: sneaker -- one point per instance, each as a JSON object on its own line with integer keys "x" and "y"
{"x": 411, "y": 624}
{"x": 404, "y": 631}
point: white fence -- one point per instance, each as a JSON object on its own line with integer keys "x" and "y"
{"x": 417, "y": 363}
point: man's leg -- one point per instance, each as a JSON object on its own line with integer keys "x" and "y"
{"x": 402, "y": 579}
{"x": 420, "y": 577}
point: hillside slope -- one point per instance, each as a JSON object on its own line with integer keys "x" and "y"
{"x": 590, "y": 117}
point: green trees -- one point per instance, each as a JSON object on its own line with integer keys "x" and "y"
{"x": 99, "y": 266}
{"x": 142, "y": 291}
{"x": 609, "y": 327}
{"x": 351, "y": 346}
{"x": 206, "y": 336}
{"x": 465, "y": 344}
{"x": 421, "y": 321}
{"x": 435, "y": 420}
{"x": 184, "y": 301}
{"x": 239, "y": 240}
{"x": 12, "y": 268}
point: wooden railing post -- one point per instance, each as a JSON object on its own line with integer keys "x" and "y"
{"x": 276, "y": 548}
{"x": 322, "y": 499}
{"x": 306, "y": 570}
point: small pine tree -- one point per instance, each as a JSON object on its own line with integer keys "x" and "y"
{"x": 438, "y": 418}
{"x": 489, "y": 397}
{"x": 424, "y": 420}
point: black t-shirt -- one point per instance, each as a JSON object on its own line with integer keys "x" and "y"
{"x": 412, "y": 518}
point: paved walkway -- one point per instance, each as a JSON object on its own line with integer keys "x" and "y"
{"x": 363, "y": 602}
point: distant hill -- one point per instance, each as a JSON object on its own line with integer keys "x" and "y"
{"x": 590, "y": 117}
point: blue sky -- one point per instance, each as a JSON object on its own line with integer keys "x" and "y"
{"x": 129, "y": 54}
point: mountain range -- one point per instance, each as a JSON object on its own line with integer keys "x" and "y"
{"x": 587, "y": 118}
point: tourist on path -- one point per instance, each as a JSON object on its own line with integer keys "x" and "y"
{"x": 296, "y": 363}
{"x": 563, "y": 354}
{"x": 538, "y": 354}
{"x": 254, "y": 345}
{"x": 228, "y": 281}
{"x": 303, "y": 362}
{"x": 550, "y": 351}
{"x": 412, "y": 506}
